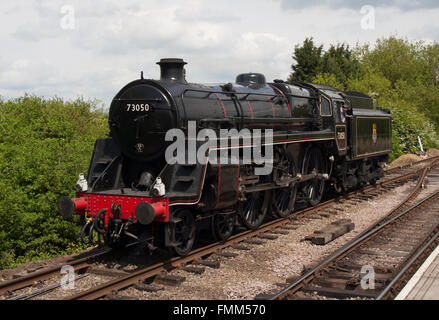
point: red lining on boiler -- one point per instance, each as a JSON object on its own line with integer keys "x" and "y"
{"x": 272, "y": 107}
{"x": 222, "y": 105}
{"x": 288, "y": 104}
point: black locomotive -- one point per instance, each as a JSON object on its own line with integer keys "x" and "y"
{"x": 322, "y": 138}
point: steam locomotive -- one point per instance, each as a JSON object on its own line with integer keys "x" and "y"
{"x": 321, "y": 139}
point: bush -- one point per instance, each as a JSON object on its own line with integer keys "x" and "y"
{"x": 44, "y": 145}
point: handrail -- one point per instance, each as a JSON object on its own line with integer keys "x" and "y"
{"x": 210, "y": 92}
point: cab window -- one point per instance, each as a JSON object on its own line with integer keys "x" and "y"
{"x": 325, "y": 107}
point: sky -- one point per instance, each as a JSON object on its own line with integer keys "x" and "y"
{"x": 91, "y": 49}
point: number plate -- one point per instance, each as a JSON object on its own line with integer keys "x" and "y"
{"x": 137, "y": 107}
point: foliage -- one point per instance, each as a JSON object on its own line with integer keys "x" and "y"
{"x": 44, "y": 144}
{"x": 400, "y": 75}
{"x": 338, "y": 61}
{"x": 327, "y": 79}
{"x": 308, "y": 60}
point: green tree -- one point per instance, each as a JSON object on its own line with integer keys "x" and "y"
{"x": 307, "y": 61}
{"x": 311, "y": 62}
{"x": 328, "y": 79}
{"x": 340, "y": 61}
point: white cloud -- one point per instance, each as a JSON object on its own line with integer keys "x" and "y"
{"x": 402, "y": 4}
{"x": 114, "y": 40}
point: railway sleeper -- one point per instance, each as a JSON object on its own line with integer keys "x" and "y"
{"x": 356, "y": 275}
{"x": 340, "y": 293}
{"x": 345, "y": 284}
{"x": 330, "y": 283}
{"x": 107, "y": 272}
{"x": 280, "y": 232}
{"x": 255, "y": 242}
{"x": 288, "y": 228}
{"x": 227, "y": 254}
{"x": 378, "y": 253}
{"x": 325, "y": 215}
{"x": 196, "y": 270}
{"x": 331, "y": 232}
{"x": 210, "y": 264}
{"x": 116, "y": 296}
{"x": 393, "y": 248}
{"x": 148, "y": 287}
{"x": 396, "y": 236}
{"x": 241, "y": 247}
{"x": 169, "y": 280}
{"x": 267, "y": 236}
{"x": 397, "y": 243}
{"x": 348, "y": 265}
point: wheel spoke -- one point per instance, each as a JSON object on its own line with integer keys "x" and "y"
{"x": 223, "y": 226}
{"x": 283, "y": 199}
{"x": 314, "y": 189}
{"x": 254, "y": 209}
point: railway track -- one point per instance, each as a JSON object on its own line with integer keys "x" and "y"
{"x": 389, "y": 252}
{"x": 394, "y": 177}
{"x": 9, "y": 286}
{"x": 410, "y": 165}
{"x": 266, "y": 231}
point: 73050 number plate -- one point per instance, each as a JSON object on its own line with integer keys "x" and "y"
{"x": 137, "y": 107}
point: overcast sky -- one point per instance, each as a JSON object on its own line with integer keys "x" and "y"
{"x": 72, "y": 48}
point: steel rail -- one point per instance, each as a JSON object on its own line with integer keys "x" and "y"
{"x": 31, "y": 278}
{"x": 387, "y": 291}
{"x": 391, "y": 170}
{"x": 352, "y": 245}
{"x": 44, "y": 290}
{"x": 413, "y": 194}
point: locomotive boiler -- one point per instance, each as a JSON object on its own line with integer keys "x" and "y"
{"x": 321, "y": 139}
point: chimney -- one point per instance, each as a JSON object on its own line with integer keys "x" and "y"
{"x": 172, "y": 69}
